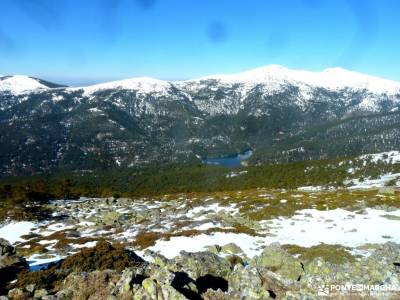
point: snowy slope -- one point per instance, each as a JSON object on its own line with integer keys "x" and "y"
{"x": 146, "y": 85}
{"x": 20, "y": 84}
{"x": 387, "y": 157}
{"x": 333, "y": 78}
{"x": 228, "y": 94}
{"x": 273, "y": 77}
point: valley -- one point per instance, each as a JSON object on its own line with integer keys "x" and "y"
{"x": 337, "y": 228}
{"x": 283, "y": 115}
{"x": 272, "y": 183}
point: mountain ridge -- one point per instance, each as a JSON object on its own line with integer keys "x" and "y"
{"x": 335, "y": 77}
{"x": 141, "y": 121}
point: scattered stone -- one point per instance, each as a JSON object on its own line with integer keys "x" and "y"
{"x": 18, "y": 294}
{"x": 10, "y": 263}
{"x": 40, "y": 294}
{"x": 274, "y": 274}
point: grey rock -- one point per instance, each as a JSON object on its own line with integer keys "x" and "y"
{"x": 6, "y": 248}
{"x": 202, "y": 263}
{"x": 40, "y": 294}
{"x": 10, "y": 263}
{"x": 65, "y": 294}
{"x": 30, "y": 288}
{"x": 245, "y": 283}
{"x": 129, "y": 277}
{"x": 277, "y": 260}
{"x": 231, "y": 248}
{"x": 160, "y": 291}
{"x": 18, "y": 294}
{"x": 49, "y": 297}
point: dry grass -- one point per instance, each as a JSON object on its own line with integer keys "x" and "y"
{"x": 146, "y": 239}
{"x": 335, "y": 254}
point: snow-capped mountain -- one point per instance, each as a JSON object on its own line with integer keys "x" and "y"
{"x": 19, "y": 84}
{"x": 332, "y": 79}
{"x": 272, "y": 76}
{"x": 145, "y": 85}
{"x": 281, "y": 114}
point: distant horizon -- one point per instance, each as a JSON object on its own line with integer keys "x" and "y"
{"x": 87, "y": 82}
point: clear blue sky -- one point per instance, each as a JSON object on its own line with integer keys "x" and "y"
{"x": 84, "y": 41}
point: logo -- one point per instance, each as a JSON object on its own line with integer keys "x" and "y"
{"x": 323, "y": 290}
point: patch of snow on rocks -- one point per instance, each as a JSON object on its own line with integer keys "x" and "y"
{"x": 387, "y": 157}
{"x": 174, "y": 245}
{"x": 372, "y": 183}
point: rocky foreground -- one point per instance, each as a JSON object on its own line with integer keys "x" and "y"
{"x": 348, "y": 221}
{"x": 253, "y": 244}
{"x": 113, "y": 272}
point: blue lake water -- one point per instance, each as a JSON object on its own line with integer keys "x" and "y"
{"x": 44, "y": 266}
{"x": 229, "y": 161}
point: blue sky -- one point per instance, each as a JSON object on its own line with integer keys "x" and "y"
{"x": 79, "y": 42}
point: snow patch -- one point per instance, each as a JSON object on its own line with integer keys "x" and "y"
{"x": 13, "y": 231}
{"x": 309, "y": 227}
{"x": 387, "y": 157}
{"x": 174, "y": 245}
{"x": 371, "y": 183}
{"x": 145, "y": 85}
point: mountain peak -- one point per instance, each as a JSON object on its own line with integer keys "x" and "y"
{"x": 275, "y": 76}
{"x": 20, "y": 84}
{"x": 144, "y": 84}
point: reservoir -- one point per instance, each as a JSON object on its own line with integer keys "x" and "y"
{"x": 229, "y": 161}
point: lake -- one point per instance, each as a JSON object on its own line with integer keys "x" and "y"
{"x": 229, "y": 161}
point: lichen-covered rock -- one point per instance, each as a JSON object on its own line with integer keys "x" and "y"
{"x": 65, "y": 294}
{"x": 277, "y": 260}
{"x": 111, "y": 218}
{"x": 246, "y": 283}
{"x": 232, "y": 248}
{"x": 161, "y": 275}
{"x": 10, "y": 263}
{"x": 377, "y": 269}
{"x": 30, "y": 288}
{"x": 18, "y": 294}
{"x": 158, "y": 259}
{"x": 130, "y": 277}
{"x": 6, "y": 248}
{"x": 150, "y": 286}
{"x": 160, "y": 291}
{"x": 50, "y": 297}
{"x": 303, "y": 295}
{"x": 215, "y": 295}
{"x": 124, "y": 285}
{"x": 202, "y": 263}
{"x": 214, "y": 249}
{"x": 39, "y": 294}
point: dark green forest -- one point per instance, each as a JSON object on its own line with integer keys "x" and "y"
{"x": 16, "y": 192}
